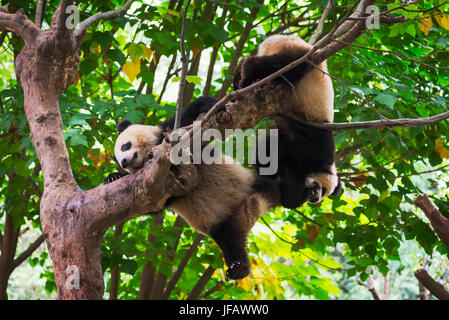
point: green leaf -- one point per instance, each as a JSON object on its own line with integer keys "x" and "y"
{"x": 76, "y": 138}
{"x": 135, "y": 52}
{"x": 194, "y": 79}
{"x": 116, "y": 55}
{"x": 88, "y": 65}
{"x": 386, "y": 99}
{"x": 411, "y": 30}
{"x": 129, "y": 267}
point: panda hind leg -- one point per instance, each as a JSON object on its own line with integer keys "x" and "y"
{"x": 231, "y": 238}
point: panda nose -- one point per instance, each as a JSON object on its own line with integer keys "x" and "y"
{"x": 124, "y": 163}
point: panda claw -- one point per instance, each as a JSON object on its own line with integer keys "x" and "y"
{"x": 112, "y": 177}
{"x": 238, "y": 270}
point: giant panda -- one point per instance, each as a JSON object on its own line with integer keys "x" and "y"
{"x": 224, "y": 205}
{"x": 306, "y": 154}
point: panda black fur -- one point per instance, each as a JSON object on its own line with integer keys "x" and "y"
{"x": 306, "y": 154}
{"x": 224, "y": 205}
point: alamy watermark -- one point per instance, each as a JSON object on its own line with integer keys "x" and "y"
{"x": 73, "y": 277}
{"x": 256, "y": 146}
{"x": 73, "y": 19}
{"x": 373, "y": 20}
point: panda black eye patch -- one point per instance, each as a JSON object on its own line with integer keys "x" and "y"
{"x": 126, "y": 146}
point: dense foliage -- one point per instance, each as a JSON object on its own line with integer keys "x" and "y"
{"x": 130, "y": 67}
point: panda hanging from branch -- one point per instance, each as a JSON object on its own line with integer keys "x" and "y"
{"x": 306, "y": 154}
{"x": 229, "y": 198}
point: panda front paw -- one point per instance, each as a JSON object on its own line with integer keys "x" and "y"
{"x": 238, "y": 270}
{"x": 113, "y": 176}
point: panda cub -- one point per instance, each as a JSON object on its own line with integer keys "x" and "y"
{"x": 224, "y": 205}
{"x": 306, "y": 154}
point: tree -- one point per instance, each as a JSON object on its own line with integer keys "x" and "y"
{"x": 74, "y": 221}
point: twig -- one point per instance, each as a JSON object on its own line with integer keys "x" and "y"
{"x": 177, "y": 274}
{"x": 182, "y": 81}
{"x": 307, "y": 218}
{"x": 169, "y": 75}
{"x": 433, "y": 286}
{"x": 423, "y": 172}
{"x": 291, "y": 243}
{"x": 358, "y": 173}
{"x": 400, "y": 55}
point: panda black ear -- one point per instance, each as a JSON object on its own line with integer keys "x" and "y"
{"x": 122, "y": 125}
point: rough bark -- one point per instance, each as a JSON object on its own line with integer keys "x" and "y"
{"x": 434, "y": 287}
{"x": 439, "y": 222}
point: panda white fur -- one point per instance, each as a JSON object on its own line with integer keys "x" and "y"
{"x": 306, "y": 154}
{"x": 224, "y": 205}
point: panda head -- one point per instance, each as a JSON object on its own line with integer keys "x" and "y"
{"x": 323, "y": 185}
{"x": 134, "y": 143}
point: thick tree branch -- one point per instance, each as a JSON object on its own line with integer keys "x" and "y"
{"x": 433, "y": 286}
{"x": 19, "y": 24}
{"x": 39, "y": 13}
{"x": 439, "y": 222}
{"x": 61, "y": 15}
{"x": 81, "y": 29}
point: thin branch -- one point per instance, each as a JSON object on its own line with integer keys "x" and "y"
{"x": 39, "y": 13}
{"x": 439, "y": 222}
{"x": 199, "y": 286}
{"x": 177, "y": 274}
{"x": 168, "y": 76}
{"x": 182, "y": 81}
{"x": 370, "y": 286}
{"x": 81, "y": 29}
{"x": 307, "y": 218}
{"x": 291, "y": 243}
{"x": 423, "y": 172}
{"x": 238, "y": 50}
{"x": 358, "y": 173}
{"x": 115, "y": 272}
{"x": 319, "y": 29}
{"x": 433, "y": 286}
{"x": 25, "y": 254}
{"x": 375, "y": 124}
